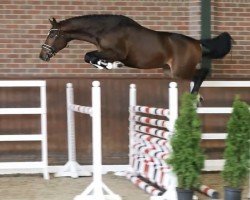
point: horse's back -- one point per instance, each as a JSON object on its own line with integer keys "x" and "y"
{"x": 146, "y": 48}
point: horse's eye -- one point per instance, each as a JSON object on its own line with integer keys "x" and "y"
{"x": 52, "y": 35}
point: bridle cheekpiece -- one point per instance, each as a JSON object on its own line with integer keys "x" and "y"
{"x": 49, "y": 48}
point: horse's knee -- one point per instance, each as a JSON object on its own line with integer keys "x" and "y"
{"x": 89, "y": 58}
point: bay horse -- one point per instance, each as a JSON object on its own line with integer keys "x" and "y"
{"x": 122, "y": 41}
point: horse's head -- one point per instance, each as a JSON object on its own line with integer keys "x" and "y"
{"x": 54, "y": 42}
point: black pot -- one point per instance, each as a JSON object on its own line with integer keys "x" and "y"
{"x": 184, "y": 194}
{"x": 232, "y": 193}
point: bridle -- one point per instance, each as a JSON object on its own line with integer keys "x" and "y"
{"x": 51, "y": 50}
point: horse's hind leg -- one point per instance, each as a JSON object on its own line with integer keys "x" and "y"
{"x": 198, "y": 79}
{"x": 104, "y": 59}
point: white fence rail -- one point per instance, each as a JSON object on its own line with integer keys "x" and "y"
{"x": 17, "y": 167}
{"x": 217, "y": 165}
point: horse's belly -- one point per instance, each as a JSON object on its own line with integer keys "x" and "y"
{"x": 145, "y": 58}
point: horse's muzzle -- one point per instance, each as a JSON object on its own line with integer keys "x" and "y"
{"x": 47, "y": 52}
{"x": 44, "y": 57}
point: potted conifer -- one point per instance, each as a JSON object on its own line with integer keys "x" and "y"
{"x": 237, "y": 153}
{"x": 187, "y": 159}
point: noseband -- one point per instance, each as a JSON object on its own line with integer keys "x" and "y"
{"x": 51, "y": 50}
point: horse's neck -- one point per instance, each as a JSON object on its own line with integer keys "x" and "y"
{"x": 84, "y": 30}
{"x": 83, "y": 36}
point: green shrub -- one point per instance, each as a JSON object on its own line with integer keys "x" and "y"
{"x": 187, "y": 158}
{"x": 237, "y": 150}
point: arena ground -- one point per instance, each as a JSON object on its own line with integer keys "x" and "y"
{"x": 34, "y": 187}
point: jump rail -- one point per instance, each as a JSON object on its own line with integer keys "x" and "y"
{"x": 217, "y": 165}
{"x": 18, "y": 167}
{"x": 97, "y": 189}
{"x": 149, "y": 145}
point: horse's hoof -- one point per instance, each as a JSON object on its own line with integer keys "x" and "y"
{"x": 200, "y": 99}
{"x": 117, "y": 64}
{"x": 96, "y": 66}
{"x": 114, "y": 65}
{"x": 109, "y": 66}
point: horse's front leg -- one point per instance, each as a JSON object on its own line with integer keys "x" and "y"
{"x": 104, "y": 59}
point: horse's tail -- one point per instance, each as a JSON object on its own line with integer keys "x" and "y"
{"x": 217, "y": 47}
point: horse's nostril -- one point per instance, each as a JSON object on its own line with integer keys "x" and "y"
{"x": 44, "y": 57}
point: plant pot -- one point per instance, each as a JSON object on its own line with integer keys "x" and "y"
{"x": 184, "y": 194}
{"x": 232, "y": 193}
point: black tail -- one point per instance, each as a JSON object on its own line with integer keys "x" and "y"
{"x": 217, "y": 47}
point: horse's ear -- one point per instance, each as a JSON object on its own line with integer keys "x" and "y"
{"x": 53, "y": 21}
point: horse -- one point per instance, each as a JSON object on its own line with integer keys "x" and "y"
{"x": 121, "y": 41}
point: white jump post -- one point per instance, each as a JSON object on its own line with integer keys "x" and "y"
{"x": 28, "y": 167}
{"x": 72, "y": 168}
{"x": 171, "y": 194}
{"x": 97, "y": 190}
{"x": 132, "y": 103}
